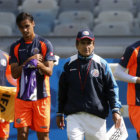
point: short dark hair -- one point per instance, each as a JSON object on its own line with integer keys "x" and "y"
{"x": 23, "y": 16}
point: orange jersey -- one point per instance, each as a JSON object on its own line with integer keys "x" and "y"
{"x": 131, "y": 61}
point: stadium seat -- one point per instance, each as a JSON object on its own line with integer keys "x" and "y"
{"x": 138, "y": 18}
{"x": 9, "y": 5}
{"x": 115, "y": 16}
{"x": 44, "y": 22}
{"x": 120, "y": 5}
{"x": 76, "y": 17}
{"x": 113, "y": 29}
{"x": 137, "y": 25}
{"x": 43, "y": 29}
{"x": 7, "y": 18}
{"x": 39, "y": 5}
{"x": 5, "y": 30}
{"x": 68, "y": 29}
{"x": 76, "y": 5}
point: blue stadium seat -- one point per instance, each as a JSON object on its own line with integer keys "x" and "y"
{"x": 9, "y": 5}
{"x": 68, "y": 29}
{"x": 113, "y": 29}
{"x": 120, "y": 5}
{"x": 76, "y": 5}
{"x": 5, "y": 30}
{"x": 115, "y": 16}
{"x": 76, "y": 16}
{"x": 39, "y": 5}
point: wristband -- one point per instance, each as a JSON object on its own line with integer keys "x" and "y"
{"x": 116, "y": 111}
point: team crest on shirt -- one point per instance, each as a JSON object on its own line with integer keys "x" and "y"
{"x": 18, "y": 120}
{"x": 95, "y": 73}
{"x": 3, "y": 62}
{"x": 35, "y": 51}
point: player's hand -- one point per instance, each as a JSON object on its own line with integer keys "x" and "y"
{"x": 138, "y": 80}
{"x": 39, "y": 57}
{"x": 60, "y": 122}
{"x": 117, "y": 120}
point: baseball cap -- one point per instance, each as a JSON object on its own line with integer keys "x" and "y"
{"x": 85, "y": 34}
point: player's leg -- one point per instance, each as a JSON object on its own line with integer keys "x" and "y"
{"x": 74, "y": 129}
{"x": 94, "y": 127}
{"x": 43, "y": 135}
{"x": 138, "y": 138}
{"x": 23, "y": 118}
{"x": 22, "y": 133}
{"x": 41, "y": 118}
{"x": 4, "y": 130}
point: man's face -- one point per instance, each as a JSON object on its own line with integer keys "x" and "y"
{"x": 26, "y": 27}
{"x": 85, "y": 47}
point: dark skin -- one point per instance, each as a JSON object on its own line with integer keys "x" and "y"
{"x": 26, "y": 28}
{"x": 85, "y": 47}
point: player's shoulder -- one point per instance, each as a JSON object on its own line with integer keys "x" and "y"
{"x": 134, "y": 45}
{"x": 72, "y": 59}
{"x": 42, "y": 39}
{"x": 98, "y": 59}
{"x": 18, "y": 41}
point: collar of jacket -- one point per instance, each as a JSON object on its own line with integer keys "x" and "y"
{"x": 85, "y": 58}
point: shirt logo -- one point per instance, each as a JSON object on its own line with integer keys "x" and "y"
{"x": 35, "y": 51}
{"x": 95, "y": 73}
{"x": 20, "y": 50}
{"x": 18, "y": 120}
{"x": 72, "y": 69}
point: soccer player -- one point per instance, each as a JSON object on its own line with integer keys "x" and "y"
{"x": 6, "y": 80}
{"x": 130, "y": 61}
{"x": 32, "y": 60}
{"x": 86, "y": 90}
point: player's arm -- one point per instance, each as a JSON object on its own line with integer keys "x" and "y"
{"x": 46, "y": 67}
{"x": 16, "y": 69}
{"x": 62, "y": 90}
{"x": 112, "y": 91}
{"x": 121, "y": 74}
{"x": 62, "y": 97}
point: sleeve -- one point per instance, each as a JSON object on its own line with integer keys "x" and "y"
{"x": 121, "y": 74}
{"x": 12, "y": 57}
{"x": 127, "y": 57}
{"x": 62, "y": 91}
{"x": 111, "y": 89}
{"x": 50, "y": 52}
